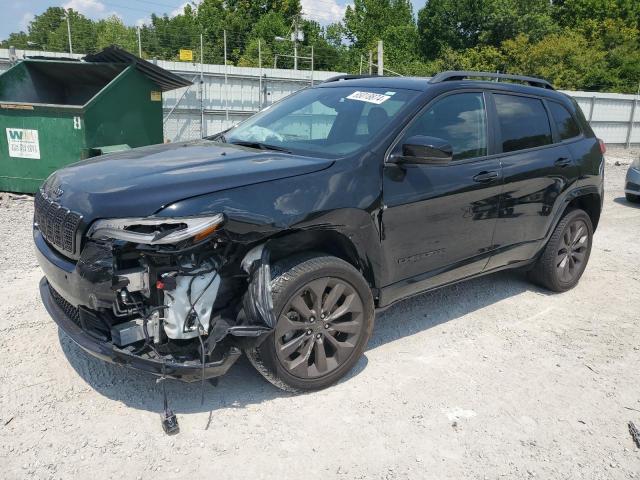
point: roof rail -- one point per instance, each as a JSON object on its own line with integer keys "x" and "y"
{"x": 462, "y": 74}
{"x": 338, "y": 78}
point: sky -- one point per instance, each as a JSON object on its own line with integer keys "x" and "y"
{"x": 18, "y": 13}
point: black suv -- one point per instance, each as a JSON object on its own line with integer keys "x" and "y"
{"x": 282, "y": 236}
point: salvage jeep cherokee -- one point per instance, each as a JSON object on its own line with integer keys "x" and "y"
{"x": 281, "y": 237}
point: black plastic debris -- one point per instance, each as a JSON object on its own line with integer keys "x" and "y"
{"x": 635, "y": 434}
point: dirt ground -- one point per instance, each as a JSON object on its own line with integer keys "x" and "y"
{"x": 489, "y": 379}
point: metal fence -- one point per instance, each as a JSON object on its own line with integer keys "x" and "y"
{"x": 226, "y": 96}
{"x": 614, "y": 117}
{"x": 222, "y": 96}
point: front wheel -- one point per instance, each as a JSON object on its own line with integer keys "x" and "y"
{"x": 565, "y": 256}
{"x": 325, "y": 313}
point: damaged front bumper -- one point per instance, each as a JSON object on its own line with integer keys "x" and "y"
{"x": 186, "y": 371}
{"x": 75, "y": 295}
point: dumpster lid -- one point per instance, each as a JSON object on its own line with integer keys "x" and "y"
{"x": 163, "y": 78}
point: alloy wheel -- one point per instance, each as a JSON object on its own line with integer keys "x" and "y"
{"x": 319, "y": 327}
{"x": 573, "y": 249}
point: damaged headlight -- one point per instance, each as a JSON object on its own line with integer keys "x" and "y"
{"x": 156, "y": 231}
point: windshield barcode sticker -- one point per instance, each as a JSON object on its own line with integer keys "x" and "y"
{"x": 370, "y": 97}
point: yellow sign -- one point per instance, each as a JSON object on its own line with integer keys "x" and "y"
{"x": 186, "y": 55}
{"x": 156, "y": 96}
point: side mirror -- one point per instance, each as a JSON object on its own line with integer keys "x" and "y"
{"x": 420, "y": 149}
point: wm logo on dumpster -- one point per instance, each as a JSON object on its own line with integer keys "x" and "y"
{"x": 25, "y": 135}
{"x": 23, "y": 143}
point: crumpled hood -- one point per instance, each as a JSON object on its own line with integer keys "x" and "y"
{"x": 139, "y": 182}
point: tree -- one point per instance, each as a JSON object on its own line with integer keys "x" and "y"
{"x": 583, "y": 44}
{"x": 366, "y": 21}
{"x": 454, "y": 24}
{"x": 566, "y": 59}
{"x": 83, "y": 34}
{"x": 18, "y": 40}
{"x": 484, "y": 58}
{"x": 573, "y": 13}
{"x": 112, "y": 31}
{"x": 462, "y": 24}
{"x": 42, "y": 26}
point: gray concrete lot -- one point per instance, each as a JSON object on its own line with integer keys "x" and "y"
{"x": 492, "y": 378}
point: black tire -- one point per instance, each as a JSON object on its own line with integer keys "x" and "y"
{"x": 632, "y": 198}
{"x": 564, "y": 258}
{"x": 295, "y": 280}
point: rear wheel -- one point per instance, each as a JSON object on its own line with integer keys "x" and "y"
{"x": 325, "y": 314}
{"x": 565, "y": 257}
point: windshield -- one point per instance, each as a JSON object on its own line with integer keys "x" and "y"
{"x": 332, "y": 121}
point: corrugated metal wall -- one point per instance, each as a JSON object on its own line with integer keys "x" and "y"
{"x": 225, "y": 102}
{"x": 614, "y": 117}
{"x": 230, "y": 94}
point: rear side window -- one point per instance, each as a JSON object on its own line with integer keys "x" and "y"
{"x": 523, "y": 122}
{"x": 565, "y": 123}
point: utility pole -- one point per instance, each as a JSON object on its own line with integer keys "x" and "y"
{"x": 370, "y": 62}
{"x": 203, "y": 125}
{"x": 139, "y": 43}
{"x": 312, "y": 65}
{"x": 631, "y": 119}
{"x": 380, "y": 58}
{"x": 295, "y": 43}
{"x": 226, "y": 84}
{"x": 69, "y": 31}
{"x": 360, "y": 64}
{"x": 260, "y": 78}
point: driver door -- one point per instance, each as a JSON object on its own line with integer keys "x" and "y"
{"x": 439, "y": 220}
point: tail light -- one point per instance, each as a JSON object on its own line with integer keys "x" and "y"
{"x": 603, "y": 146}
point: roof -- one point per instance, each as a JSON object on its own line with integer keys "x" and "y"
{"x": 165, "y": 79}
{"x": 373, "y": 81}
{"x": 446, "y": 81}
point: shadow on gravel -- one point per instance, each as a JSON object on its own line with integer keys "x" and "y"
{"x": 243, "y": 386}
{"x": 626, "y": 203}
{"x": 430, "y": 309}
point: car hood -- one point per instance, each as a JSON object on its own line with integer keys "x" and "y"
{"x": 139, "y": 182}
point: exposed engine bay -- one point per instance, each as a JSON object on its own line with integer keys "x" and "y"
{"x": 190, "y": 303}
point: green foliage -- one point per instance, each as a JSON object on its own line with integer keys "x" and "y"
{"x": 577, "y": 44}
{"x": 367, "y": 20}
{"x": 112, "y": 31}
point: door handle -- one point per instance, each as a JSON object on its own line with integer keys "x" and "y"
{"x": 562, "y": 162}
{"x": 485, "y": 177}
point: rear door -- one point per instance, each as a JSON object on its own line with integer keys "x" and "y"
{"x": 439, "y": 220}
{"x": 537, "y": 166}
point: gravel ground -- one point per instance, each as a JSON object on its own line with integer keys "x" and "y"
{"x": 492, "y": 378}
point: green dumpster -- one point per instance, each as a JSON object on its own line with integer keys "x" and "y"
{"x": 53, "y": 112}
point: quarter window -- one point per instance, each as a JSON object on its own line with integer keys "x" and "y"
{"x": 566, "y": 125}
{"x": 458, "y": 119}
{"x": 523, "y": 122}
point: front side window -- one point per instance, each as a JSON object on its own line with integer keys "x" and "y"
{"x": 523, "y": 122}
{"x": 566, "y": 125}
{"x": 460, "y": 120}
{"x": 332, "y": 121}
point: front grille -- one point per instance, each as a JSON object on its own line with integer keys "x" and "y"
{"x": 57, "y": 224}
{"x": 69, "y": 310}
{"x": 89, "y": 321}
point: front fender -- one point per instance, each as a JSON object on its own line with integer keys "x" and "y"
{"x": 340, "y": 200}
